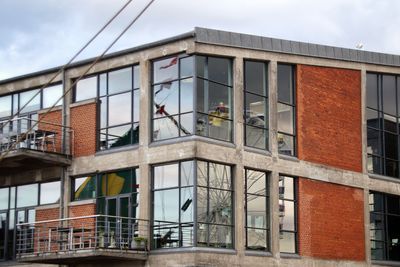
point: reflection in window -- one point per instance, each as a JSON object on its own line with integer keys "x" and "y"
{"x": 51, "y": 95}
{"x": 287, "y": 215}
{"x": 33, "y": 105}
{"x": 5, "y": 106}
{"x": 4, "y": 193}
{"x": 286, "y": 110}
{"x": 84, "y": 188}
{"x": 214, "y": 97}
{"x": 383, "y": 114}
{"x": 257, "y": 210}
{"x": 172, "y": 97}
{"x": 27, "y": 195}
{"x": 256, "y": 104}
{"x": 384, "y": 226}
{"x": 86, "y": 88}
{"x": 50, "y": 192}
{"x": 174, "y": 205}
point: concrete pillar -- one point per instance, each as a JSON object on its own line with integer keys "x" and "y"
{"x": 274, "y": 213}
{"x": 273, "y": 107}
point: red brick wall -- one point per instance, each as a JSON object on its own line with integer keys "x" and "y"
{"x": 82, "y": 210}
{"x": 83, "y": 122}
{"x": 331, "y": 221}
{"x": 47, "y": 214}
{"x": 47, "y": 121}
{"x": 329, "y": 116}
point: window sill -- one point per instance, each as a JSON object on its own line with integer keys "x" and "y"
{"x": 192, "y": 138}
{"x": 82, "y": 202}
{"x": 258, "y": 253}
{"x": 386, "y": 263}
{"x": 384, "y": 178}
{"x": 193, "y": 250}
{"x": 257, "y": 150}
{"x": 285, "y": 255}
{"x": 83, "y": 102}
{"x": 117, "y": 150}
{"x": 286, "y": 157}
{"x": 48, "y": 206}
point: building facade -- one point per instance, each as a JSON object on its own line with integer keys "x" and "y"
{"x": 210, "y": 148}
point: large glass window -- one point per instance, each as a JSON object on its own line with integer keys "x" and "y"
{"x": 287, "y": 214}
{"x": 382, "y": 124}
{"x": 384, "y": 226}
{"x": 256, "y": 104}
{"x": 50, "y": 192}
{"x": 180, "y": 189}
{"x": 175, "y": 89}
{"x": 172, "y": 97}
{"x": 257, "y": 210}
{"x": 286, "y": 110}
{"x": 84, "y": 188}
{"x": 27, "y": 195}
{"x": 118, "y": 95}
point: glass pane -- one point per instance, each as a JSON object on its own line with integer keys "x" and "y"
{"x": 256, "y": 137}
{"x": 220, "y": 236}
{"x": 372, "y": 118}
{"x": 219, "y": 100}
{"x": 285, "y": 144}
{"x": 12, "y": 197}
{"x": 287, "y": 242}
{"x": 389, "y": 94}
{"x": 186, "y": 126}
{"x": 50, "y": 192}
{"x": 377, "y": 227}
{"x": 377, "y": 251}
{"x": 136, "y": 76}
{"x": 86, "y": 88}
{"x": 393, "y": 237}
{"x": 186, "y": 67}
{"x": 373, "y": 141}
{"x": 286, "y": 189}
{"x": 136, "y": 105}
{"x": 202, "y": 173}
{"x": 119, "y": 109}
{"x": 33, "y": 105}
{"x": 21, "y": 216}
{"x": 120, "y": 136}
{"x": 166, "y": 176}
{"x": 5, "y": 106}
{"x": 256, "y": 239}
{"x": 119, "y": 183}
{"x": 85, "y": 188}
{"x": 202, "y": 200}
{"x": 285, "y": 119}
{"x": 186, "y": 207}
{"x": 372, "y": 90}
{"x": 3, "y": 232}
{"x": 165, "y": 128}
{"x": 285, "y": 83}
{"x": 119, "y": 80}
{"x": 219, "y": 128}
{"x": 27, "y": 195}
{"x": 391, "y": 146}
{"x": 51, "y": 95}
{"x": 256, "y": 110}
{"x": 375, "y": 202}
{"x": 392, "y": 168}
{"x": 219, "y": 70}
{"x": 286, "y": 214}
{"x": 256, "y": 209}
{"x": 103, "y": 112}
{"x": 186, "y": 95}
{"x": 187, "y": 233}
{"x": 166, "y": 99}
{"x": 390, "y": 123}
{"x": 220, "y": 176}
{"x": 4, "y": 198}
{"x": 255, "y": 77}
{"x": 187, "y": 173}
{"x": 103, "y": 84}
{"x": 166, "y": 205}
{"x": 15, "y": 99}
{"x": 165, "y": 70}
{"x": 393, "y": 204}
{"x": 374, "y": 164}
{"x": 256, "y": 182}
{"x": 220, "y": 207}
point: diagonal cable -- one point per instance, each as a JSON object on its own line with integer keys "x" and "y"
{"x": 23, "y": 136}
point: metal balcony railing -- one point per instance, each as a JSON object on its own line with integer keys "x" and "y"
{"x": 31, "y": 134}
{"x": 78, "y": 234}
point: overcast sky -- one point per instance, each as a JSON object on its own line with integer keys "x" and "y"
{"x": 40, "y": 34}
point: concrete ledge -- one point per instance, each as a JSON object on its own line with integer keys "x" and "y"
{"x": 82, "y": 202}
{"x": 83, "y": 102}
{"x": 48, "y": 206}
{"x": 384, "y": 178}
{"x": 193, "y": 250}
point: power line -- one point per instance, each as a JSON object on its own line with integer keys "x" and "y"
{"x": 80, "y": 77}
{"x": 68, "y": 63}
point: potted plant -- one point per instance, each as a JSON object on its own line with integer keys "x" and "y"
{"x": 139, "y": 243}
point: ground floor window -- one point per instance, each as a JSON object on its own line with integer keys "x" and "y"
{"x": 384, "y": 226}
{"x": 192, "y": 205}
{"x": 287, "y": 214}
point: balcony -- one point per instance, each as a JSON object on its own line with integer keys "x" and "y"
{"x": 87, "y": 239}
{"x": 27, "y": 144}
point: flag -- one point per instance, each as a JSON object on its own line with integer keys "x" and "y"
{"x": 173, "y": 62}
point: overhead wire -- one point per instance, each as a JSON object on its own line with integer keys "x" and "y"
{"x": 67, "y": 64}
{"x": 97, "y": 59}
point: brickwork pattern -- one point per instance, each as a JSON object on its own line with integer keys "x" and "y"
{"x": 329, "y": 116}
{"x": 51, "y": 122}
{"x": 83, "y": 122}
{"x": 331, "y": 221}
